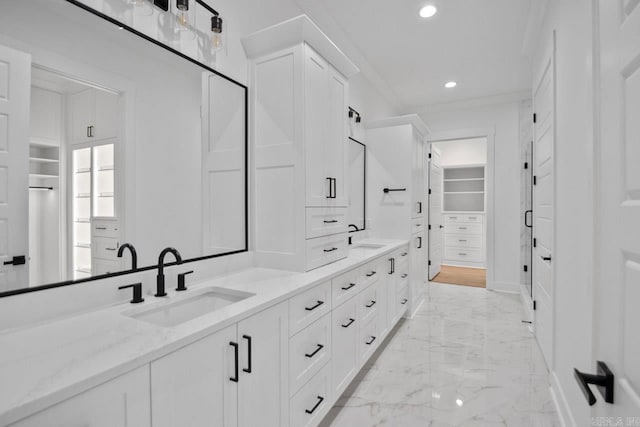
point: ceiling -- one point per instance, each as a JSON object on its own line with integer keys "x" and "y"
{"x": 481, "y": 44}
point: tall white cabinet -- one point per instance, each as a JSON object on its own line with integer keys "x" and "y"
{"x": 299, "y": 93}
{"x": 399, "y": 212}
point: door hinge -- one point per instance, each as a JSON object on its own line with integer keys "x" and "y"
{"x": 534, "y": 305}
{"x": 535, "y": 118}
{"x": 526, "y": 268}
{"x": 429, "y": 262}
{"x": 535, "y": 180}
{"x": 526, "y": 165}
{"x": 429, "y": 226}
{"x": 535, "y": 242}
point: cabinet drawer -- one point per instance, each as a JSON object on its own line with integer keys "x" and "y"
{"x": 309, "y": 350}
{"x": 368, "y": 274}
{"x": 464, "y": 229}
{"x": 104, "y": 228}
{"x": 344, "y": 287}
{"x": 312, "y": 402}
{"x": 326, "y": 221}
{"x": 368, "y": 302}
{"x": 325, "y": 250}
{"x": 344, "y": 346}
{"x": 461, "y": 241}
{"x": 104, "y": 266}
{"x": 402, "y": 300}
{"x": 455, "y": 254}
{"x": 106, "y": 248}
{"x": 309, "y": 306}
{"x": 369, "y": 339}
{"x": 473, "y": 218}
{"x": 453, "y": 218}
{"x": 417, "y": 225}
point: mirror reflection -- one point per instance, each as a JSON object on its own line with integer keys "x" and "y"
{"x": 357, "y": 190}
{"x": 127, "y": 143}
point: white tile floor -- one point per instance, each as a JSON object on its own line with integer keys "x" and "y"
{"x": 465, "y": 360}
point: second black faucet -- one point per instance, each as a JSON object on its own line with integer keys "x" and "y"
{"x": 160, "y": 291}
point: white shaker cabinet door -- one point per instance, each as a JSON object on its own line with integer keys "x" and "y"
{"x": 262, "y": 389}
{"x": 122, "y": 402}
{"x": 336, "y": 140}
{"x": 194, "y": 386}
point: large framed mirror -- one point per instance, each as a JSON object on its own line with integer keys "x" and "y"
{"x": 120, "y": 143}
{"x": 357, "y": 213}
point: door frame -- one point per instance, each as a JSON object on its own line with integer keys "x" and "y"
{"x": 489, "y": 134}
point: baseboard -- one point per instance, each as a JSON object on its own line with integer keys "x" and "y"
{"x": 560, "y": 402}
{"x": 412, "y": 314}
{"x": 512, "y": 288}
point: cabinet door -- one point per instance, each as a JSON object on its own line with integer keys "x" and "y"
{"x": 81, "y": 110}
{"x": 262, "y": 390}
{"x": 344, "y": 357}
{"x": 417, "y": 176}
{"x": 316, "y": 107}
{"x": 105, "y": 122}
{"x": 418, "y": 269}
{"x": 192, "y": 387}
{"x": 336, "y": 142}
{"x": 122, "y": 402}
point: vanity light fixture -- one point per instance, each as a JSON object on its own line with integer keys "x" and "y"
{"x": 353, "y": 113}
{"x": 183, "y": 13}
{"x": 217, "y": 41}
{"x": 450, "y": 85}
{"x": 428, "y": 11}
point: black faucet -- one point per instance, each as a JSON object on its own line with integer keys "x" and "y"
{"x": 354, "y": 226}
{"x": 160, "y": 279}
{"x": 134, "y": 255}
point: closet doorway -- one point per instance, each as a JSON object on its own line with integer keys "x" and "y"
{"x": 458, "y": 211}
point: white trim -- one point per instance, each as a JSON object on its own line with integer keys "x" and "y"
{"x": 409, "y": 119}
{"x": 473, "y": 103}
{"x": 560, "y": 402}
{"x": 507, "y": 287}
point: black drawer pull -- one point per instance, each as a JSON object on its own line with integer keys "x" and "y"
{"x": 333, "y": 221}
{"x": 330, "y": 250}
{"x": 462, "y": 228}
{"x": 320, "y": 399}
{"x": 249, "y": 356}
{"x": 315, "y": 306}
{"x": 101, "y": 228}
{"x": 346, "y": 288}
{"x": 404, "y": 276}
{"x": 371, "y": 274}
{"x": 462, "y": 254}
{"x": 546, "y": 258}
{"x": 404, "y": 301}
{"x": 403, "y": 254}
{"x": 461, "y": 240}
{"x": 349, "y": 324}
{"x": 372, "y": 340}
{"x": 235, "y": 347}
{"x": 371, "y": 304}
{"x": 310, "y": 355}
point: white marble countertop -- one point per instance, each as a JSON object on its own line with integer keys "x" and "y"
{"x": 46, "y": 364}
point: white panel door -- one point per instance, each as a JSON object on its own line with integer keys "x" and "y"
{"x": 543, "y": 203}
{"x": 617, "y": 295}
{"x": 435, "y": 213}
{"x": 336, "y": 143}
{"x": 264, "y": 350}
{"x": 15, "y": 86}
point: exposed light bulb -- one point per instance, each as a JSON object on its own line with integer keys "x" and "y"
{"x": 450, "y": 85}
{"x": 183, "y": 14}
{"x": 216, "y": 42}
{"x": 217, "y": 38}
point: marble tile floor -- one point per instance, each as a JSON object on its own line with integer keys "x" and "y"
{"x": 466, "y": 359}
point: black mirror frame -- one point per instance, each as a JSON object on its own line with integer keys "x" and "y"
{"x": 364, "y": 187}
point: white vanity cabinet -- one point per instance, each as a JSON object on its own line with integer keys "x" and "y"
{"x": 93, "y": 116}
{"x": 121, "y": 402}
{"x": 234, "y": 377}
{"x": 298, "y": 98}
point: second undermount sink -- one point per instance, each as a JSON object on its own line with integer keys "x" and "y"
{"x": 183, "y": 310}
{"x": 366, "y": 247}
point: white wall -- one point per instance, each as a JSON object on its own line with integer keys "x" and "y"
{"x": 571, "y": 19}
{"x": 503, "y": 119}
{"x": 471, "y": 151}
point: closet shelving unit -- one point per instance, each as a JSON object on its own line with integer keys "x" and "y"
{"x": 463, "y": 189}
{"x": 44, "y": 161}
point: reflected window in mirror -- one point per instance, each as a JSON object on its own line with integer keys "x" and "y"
{"x": 357, "y": 185}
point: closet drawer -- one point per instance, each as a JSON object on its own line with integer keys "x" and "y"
{"x": 312, "y": 402}
{"x": 368, "y": 302}
{"x": 326, "y": 221}
{"x": 344, "y": 287}
{"x": 325, "y": 250}
{"x": 309, "y": 306}
{"x": 474, "y": 218}
{"x": 106, "y": 248}
{"x": 473, "y": 242}
{"x": 455, "y": 254}
{"x": 453, "y": 218}
{"x": 464, "y": 229}
{"x": 309, "y": 350}
{"x": 417, "y": 225}
{"x": 369, "y": 339}
{"x": 104, "y": 228}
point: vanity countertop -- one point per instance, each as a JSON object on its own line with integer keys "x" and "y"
{"x": 46, "y": 364}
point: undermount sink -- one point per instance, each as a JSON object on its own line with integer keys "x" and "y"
{"x": 367, "y": 246}
{"x": 186, "y": 309}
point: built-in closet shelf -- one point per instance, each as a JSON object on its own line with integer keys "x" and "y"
{"x": 83, "y": 220}
{"x": 86, "y": 270}
{"x": 43, "y": 160}
{"x": 105, "y": 195}
{"x": 83, "y": 245}
{"x": 105, "y": 168}
{"x": 83, "y": 196}
{"x": 42, "y": 175}
{"x": 462, "y": 179}
{"x": 463, "y": 192}
{"x": 83, "y": 170}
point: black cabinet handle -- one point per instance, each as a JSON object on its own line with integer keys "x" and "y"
{"x": 604, "y": 380}
{"x": 390, "y": 266}
{"x": 404, "y": 301}
{"x": 235, "y": 347}
{"x": 461, "y": 240}
{"x": 372, "y": 340}
{"x": 462, "y": 228}
{"x": 318, "y": 348}
{"x": 419, "y": 207}
{"x": 332, "y": 188}
{"x": 419, "y": 242}
{"x": 330, "y": 250}
{"x": 320, "y": 399}
{"x": 101, "y": 228}
{"x": 526, "y": 213}
{"x": 330, "y": 193}
{"x": 546, "y": 258}
{"x": 333, "y": 221}
{"x": 462, "y": 254}
{"x": 88, "y": 134}
{"x": 370, "y": 274}
{"x": 404, "y": 276}
{"x": 403, "y": 254}
{"x": 315, "y": 306}
{"x": 17, "y": 260}
{"x": 389, "y": 190}
{"x": 351, "y": 320}
{"x": 335, "y": 187}
{"x": 249, "y": 356}
{"x": 346, "y": 288}
{"x": 371, "y": 304}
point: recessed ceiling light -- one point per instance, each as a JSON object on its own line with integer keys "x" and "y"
{"x": 450, "y": 85}
{"x": 428, "y": 11}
